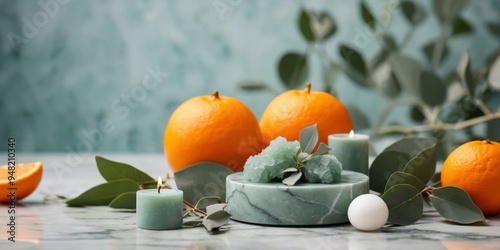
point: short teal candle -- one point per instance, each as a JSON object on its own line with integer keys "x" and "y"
{"x": 351, "y": 151}
{"x": 159, "y": 211}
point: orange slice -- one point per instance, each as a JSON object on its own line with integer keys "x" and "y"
{"x": 21, "y": 183}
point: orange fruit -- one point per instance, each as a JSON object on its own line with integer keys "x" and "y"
{"x": 294, "y": 110}
{"x": 27, "y": 176}
{"x": 211, "y": 128}
{"x": 475, "y": 168}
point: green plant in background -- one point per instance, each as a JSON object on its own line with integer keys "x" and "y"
{"x": 442, "y": 103}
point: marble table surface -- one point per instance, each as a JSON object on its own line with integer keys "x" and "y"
{"x": 52, "y": 225}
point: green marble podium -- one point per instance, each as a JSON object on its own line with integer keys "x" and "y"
{"x": 305, "y": 204}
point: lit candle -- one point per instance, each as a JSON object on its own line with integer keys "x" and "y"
{"x": 351, "y": 150}
{"x": 159, "y": 209}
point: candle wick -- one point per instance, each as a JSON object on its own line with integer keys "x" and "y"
{"x": 159, "y": 189}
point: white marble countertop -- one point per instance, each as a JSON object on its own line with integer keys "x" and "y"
{"x": 55, "y": 226}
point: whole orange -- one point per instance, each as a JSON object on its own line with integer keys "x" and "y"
{"x": 475, "y": 168}
{"x": 211, "y": 129}
{"x": 294, "y": 110}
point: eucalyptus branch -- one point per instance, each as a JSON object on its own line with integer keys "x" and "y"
{"x": 387, "y": 110}
{"x": 443, "y": 126}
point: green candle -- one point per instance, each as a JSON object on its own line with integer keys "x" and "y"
{"x": 351, "y": 150}
{"x": 159, "y": 209}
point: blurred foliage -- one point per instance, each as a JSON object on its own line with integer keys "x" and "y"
{"x": 441, "y": 103}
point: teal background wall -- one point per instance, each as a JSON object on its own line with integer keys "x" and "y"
{"x": 106, "y": 75}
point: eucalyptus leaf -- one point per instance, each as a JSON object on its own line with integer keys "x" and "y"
{"x": 416, "y": 114}
{"x": 391, "y": 87}
{"x": 454, "y": 204}
{"x": 331, "y": 72}
{"x": 494, "y": 75}
{"x": 202, "y": 179}
{"x": 413, "y": 146}
{"x": 367, "y": 15}
{"x": 304, "y": 25}
{"x": 379, "y": 58}
{"x": 432, "y": 89}
{"x": 413, "y": 13}
{"x": 293, "y": 69}
{"x": 399, "y": 177}
{"x": 292, "y": 179}
{"x": 215, "y": 207}
{"x": 353, "y": 58}
{"x": 216, "y": 220}
{"x": 494, "y": 28}
{"x": 322, "y": 149}
{"x": 465, "y": 75}
{"x": 290, "y": 170}
{"x": 428, "y": 50}
{"x": 419, "y": 167}
{"x": 112, "y": 170}
{"x": 405, "y": 204}
{"x": 384, "y": 165}
{"x": 194, "y": 222}
{"x": 124, "y": 200}
{"x": 308, "y": 138}
{"x": 492, "y": 131}
{"x": 448, "y": 10}
{"x": 390, "y": 43}
{"x": 102, "y": 195}
{"x": 322, "y": 25}
{"x": 252, "y": 85}
{"x": 358, "y": 78}
{"x": 460, "y": 27}
{"x": 406, "y": 69}
{"x": 304, "y": 157}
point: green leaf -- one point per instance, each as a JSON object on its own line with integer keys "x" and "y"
{"x": 304, "y": 25}
{"x": 392, "y": 87}
{"x": 494, "y": 28}
{"x": 252, "y": 85}
{"x": 112, "y": 170}
{"x": 102, "y": 195}
{"x": 124, "y": 200}
{"x": 436, "y": 179}
{"x": 405, "y": 204}
{"x": 331, "y": 72}
{"x": 384, "y": 165}
{"x": 406, "y": 70}
{"x": 292, "y": 179}
{"x": 390, "y": 43}
{"x": 202, "y": 179}
{"x": 413, "y": 13}
{"x": 399, "y": 177}
{"x": 432, "y": 89}
{"x": 322, "y": 149}
{"x": 308, "y": 138}
{"x": 448, "y": 10}
{"x": 428, "y": 50}
{"x": 367, "y": 15}
{"x": 215, "y": 207}
{"x": 465, "y": 75}
{"x": 460, "y": 27}
{"x": 418, "y": 167}
{"x": 454, "y": 204}
{"x": 354, "y": 59}
{"x": 293, "y": 69}
{"x": 215, "y": 220}
{"x": 416, "y": 114}
{"x": 494, "y": 74}
{"x": 192, "y": 222}
{"x": 414, "y": 146}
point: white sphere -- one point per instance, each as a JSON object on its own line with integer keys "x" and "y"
{"x": 368, "y": 212}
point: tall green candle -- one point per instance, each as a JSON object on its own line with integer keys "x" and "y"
{"x": 351, "y": 150}
{"x": 159, "y": 209}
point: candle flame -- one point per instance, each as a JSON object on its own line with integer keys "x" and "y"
{"x": 159, "y": 182}
{"x": 351, "y": 134}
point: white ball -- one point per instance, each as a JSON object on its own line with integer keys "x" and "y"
{"x": 368, "y": 212}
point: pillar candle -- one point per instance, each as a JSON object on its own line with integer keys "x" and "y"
{"x": 351, "y": 150}
{"x": 159, "y": 209}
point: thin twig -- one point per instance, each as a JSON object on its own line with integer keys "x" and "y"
{"x": 442, "y": 126}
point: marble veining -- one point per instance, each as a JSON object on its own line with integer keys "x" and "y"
{"x": 302, "y": 204}
{"x": 50, "y": 225}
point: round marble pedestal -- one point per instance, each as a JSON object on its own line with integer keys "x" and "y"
{"x": 305, "y": 204}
